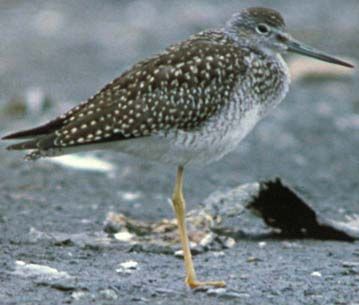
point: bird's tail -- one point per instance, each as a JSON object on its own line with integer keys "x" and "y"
{"x": 41, "y": 146}
{"x": 37, "y": 131}
{"x": 40, "y": 140}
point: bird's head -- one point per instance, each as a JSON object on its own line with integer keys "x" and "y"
{"x": 264, "y": 29}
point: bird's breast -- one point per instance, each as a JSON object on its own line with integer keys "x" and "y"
{"x": 262, "y": 88}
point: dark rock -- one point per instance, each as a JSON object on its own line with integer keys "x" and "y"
{"x": 284, "y": 209}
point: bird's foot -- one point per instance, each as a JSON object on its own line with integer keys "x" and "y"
{"x": 196, "y": 284}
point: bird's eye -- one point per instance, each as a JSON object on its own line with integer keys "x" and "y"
{"x": 262, "y": 29}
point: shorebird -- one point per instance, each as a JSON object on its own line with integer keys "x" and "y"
{"x": 192, "y": 103}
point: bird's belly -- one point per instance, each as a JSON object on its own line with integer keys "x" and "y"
{"x": 220, "y": 137}
{"x": 210, "y": 143}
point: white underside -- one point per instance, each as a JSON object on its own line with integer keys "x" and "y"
{"x": 189, "y": 147}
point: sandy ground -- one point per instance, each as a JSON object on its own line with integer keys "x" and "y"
{"x": 311, "y": 141}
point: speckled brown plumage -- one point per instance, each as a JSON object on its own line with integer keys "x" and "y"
{"x": 168, "y": 91}
{"x": 180, "y": 88}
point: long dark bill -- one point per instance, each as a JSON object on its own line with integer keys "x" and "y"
{"x": 300, "y": 48}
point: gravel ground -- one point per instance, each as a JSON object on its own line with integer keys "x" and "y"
{"x": 69, "y": 50}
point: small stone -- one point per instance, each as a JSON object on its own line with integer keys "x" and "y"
{"x": 108, "y": 294}
{"x": 124, "y": 236}
{"x": 139, "y": 299}
{"x": 208, "y": 239}
{"x": 290, "y": 245}
{"x": 316, "y": 274}
{"x": 229, "y": 242}
{"x": 129, "y": 196}
{"x": 262, "y": 244}
{"x": 77, "y": 295}
{"x": 253, "y": 259}
{"x": 218, "y": 254}
{"x": 178, "y": 253}
{"x": 40, "y": 271}
{"x": 216, "y": 291}
{"x": 127, "y": 267}
{"x": 350, "y": 264}
{"x": 36, "y": 235}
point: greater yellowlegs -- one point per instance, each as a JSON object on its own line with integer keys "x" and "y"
{"x": 192, "y": 103}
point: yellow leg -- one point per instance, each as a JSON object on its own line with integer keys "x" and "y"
{"x": 179, "y": 206}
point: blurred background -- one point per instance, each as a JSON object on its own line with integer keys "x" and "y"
{"x": 71, "y": 48}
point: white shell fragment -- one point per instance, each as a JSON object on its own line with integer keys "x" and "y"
{"x": 33, "y": 270}
{"x": 124, "y": 236}
{"x": 316, "y": 274}
{"x": 128, "y": 267}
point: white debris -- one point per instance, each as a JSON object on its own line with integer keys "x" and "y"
{"x": 83, "y": 162}
{"x": 124, "y": 236}
{"x": 216, "y": 291}
{"x": 218, "y": 254}
{"x": 207, "y": 239}
{"x": 33, "y": 270}
{"x": 77, "y": 295}
{"x": 129, "y": 196}
{"x": 262, "y": 244}
{"x": 128, "y": 267}
{"x": 316, "y": 274}
{"x": 350, "y": 264}
{"x": 229, "y": 242}
{"x": 109, "y": 294}
{"x": 178, "y": 253}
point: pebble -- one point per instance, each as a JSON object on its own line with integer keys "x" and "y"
{"x": 316, "y": 274}
{"x": 130, "y": 196}
{"x": 128, "y": 267}
{"x": 124, "y": 236}
{"x": 178, "y": 253}
{"x": 253, "y": 259}
{"x": 77, "y": 295}
{"x": 262, "y": 244}
{"x": 34, "y": 270}
{"x": 218, "y": 253}
{"x": 207, "y": 239}
{"x": 350, "y": 264}
{"x": 108, "y": 294}
{"x": 229, "y": 242}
